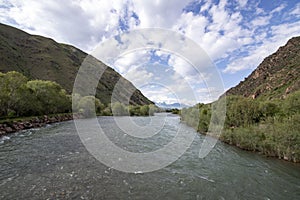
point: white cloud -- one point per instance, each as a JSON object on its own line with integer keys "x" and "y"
{"x": 181, "y": 66}
{"x": 242, "y": 3}
{"x": 193, "y": 26}
{"x": 158, "y": 13}
{"x": 278, "y": 9}
{"x": 218, "y": 37}
{"x": 206, "y": 6}
{"x": 138, "y": 77}
{"x": 247, "y": 62}
{"x": 261, "y": 21}
{"x": 296, "y": 10}
{"x": 132, "y": 67}
{"x": 169, "y": 94}
{"x": 81, "y": 23}
{"x": 126, "y": 62}
{"x": 280, "y": 35}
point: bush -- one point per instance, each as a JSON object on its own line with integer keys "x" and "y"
{"x": 270, "y": 127}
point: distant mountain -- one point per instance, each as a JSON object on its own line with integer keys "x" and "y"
{"x": 171, "y": 106}
{"x": 277, "y": 76}
{"x": 38, "y": 57}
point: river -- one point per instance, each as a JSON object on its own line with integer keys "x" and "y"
{"x": 52, "y": 163}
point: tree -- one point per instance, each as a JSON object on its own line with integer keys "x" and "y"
{"x": 144, "y": 110}
{"x": 191, "y": 116}
{"x": 118, "y": 109}
{"x": 49, "y": 97}
{"x": 242, "y": 111}
{"x": 268, "y": 109}
{"x": 204, "y": 119}
{"x": 11, "y": 84}
{"x": 134, "y": 110}
{"x": 292, "y": 103}
{"x": 75, "y": 102}
{"x": 152, "y": 109}
{"x": 89, "y": 106}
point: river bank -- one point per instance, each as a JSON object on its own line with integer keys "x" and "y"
{"x": 13, "y": 125}
{"x": 270, "y": 141}
{"x": 269, "y": 127}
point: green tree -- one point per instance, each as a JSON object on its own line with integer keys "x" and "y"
{"x": 242, "y": 111}
{"x": 89, "y": 106}
{"x": 118, "y": 109}
{"x": 292, "y": 103}
{"x": 75, "y": 102}
{"x": 191, "y": 116}
{"x": 204, "y": 119}
{"x": 49, "y": 97}
{"x": 144, "y": 110}
{"x": 134, "y": 110}
{"x": 11, "y": 85}
{"x": 268, "y": 109}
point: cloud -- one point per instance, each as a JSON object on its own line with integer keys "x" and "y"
{"x": 169, "y": 95}
{"x": 158, "y": 13}
{"x": 132, "y": 67}
{"x": 280, "y": 35}
{"x": 139, "y": 77}
{"x": 219, "y": 32}
{"x": 261, "y": 21}
{"x": 278, "y": 9}
{"x": 131, "y": 60}
{"x": 296, "y": 10}
{"x": 81, "y": 23}
{"x": 181, "y": 66}
{"x": 242, "y": 3}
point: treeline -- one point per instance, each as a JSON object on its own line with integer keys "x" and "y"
{"x": 20, "y": 97}
{"x": 84, "y": 106}
{"x": 271, "y": 127}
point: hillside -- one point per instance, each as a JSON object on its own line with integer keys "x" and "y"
{"x": 42, "y": 58}
{"x": 277, "y": 76}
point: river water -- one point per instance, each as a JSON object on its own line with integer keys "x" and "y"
{"x": 53, "y": 163}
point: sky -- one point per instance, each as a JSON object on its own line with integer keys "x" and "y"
{"x": 234, "y": 35}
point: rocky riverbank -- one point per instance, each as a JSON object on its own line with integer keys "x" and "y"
{"x": 11, "y": 126}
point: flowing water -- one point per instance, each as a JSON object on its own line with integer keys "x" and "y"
{"x": 52, "y": 163}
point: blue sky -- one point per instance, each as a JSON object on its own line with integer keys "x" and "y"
{"x": 236, "y": 35}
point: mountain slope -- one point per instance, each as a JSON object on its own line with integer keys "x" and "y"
{"x": 42, "y": 58}
{"x": 277, "y": 76}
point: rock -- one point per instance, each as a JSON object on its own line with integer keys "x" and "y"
{"x": 21, "y": 126}
{"x": 10, "y": 127}
{"x": 28, "y": 125}
{"x": 16, "y": 126}
{"x": 8, "y": 130}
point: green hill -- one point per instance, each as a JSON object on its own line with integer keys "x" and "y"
{"x": 42, "y": 58}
